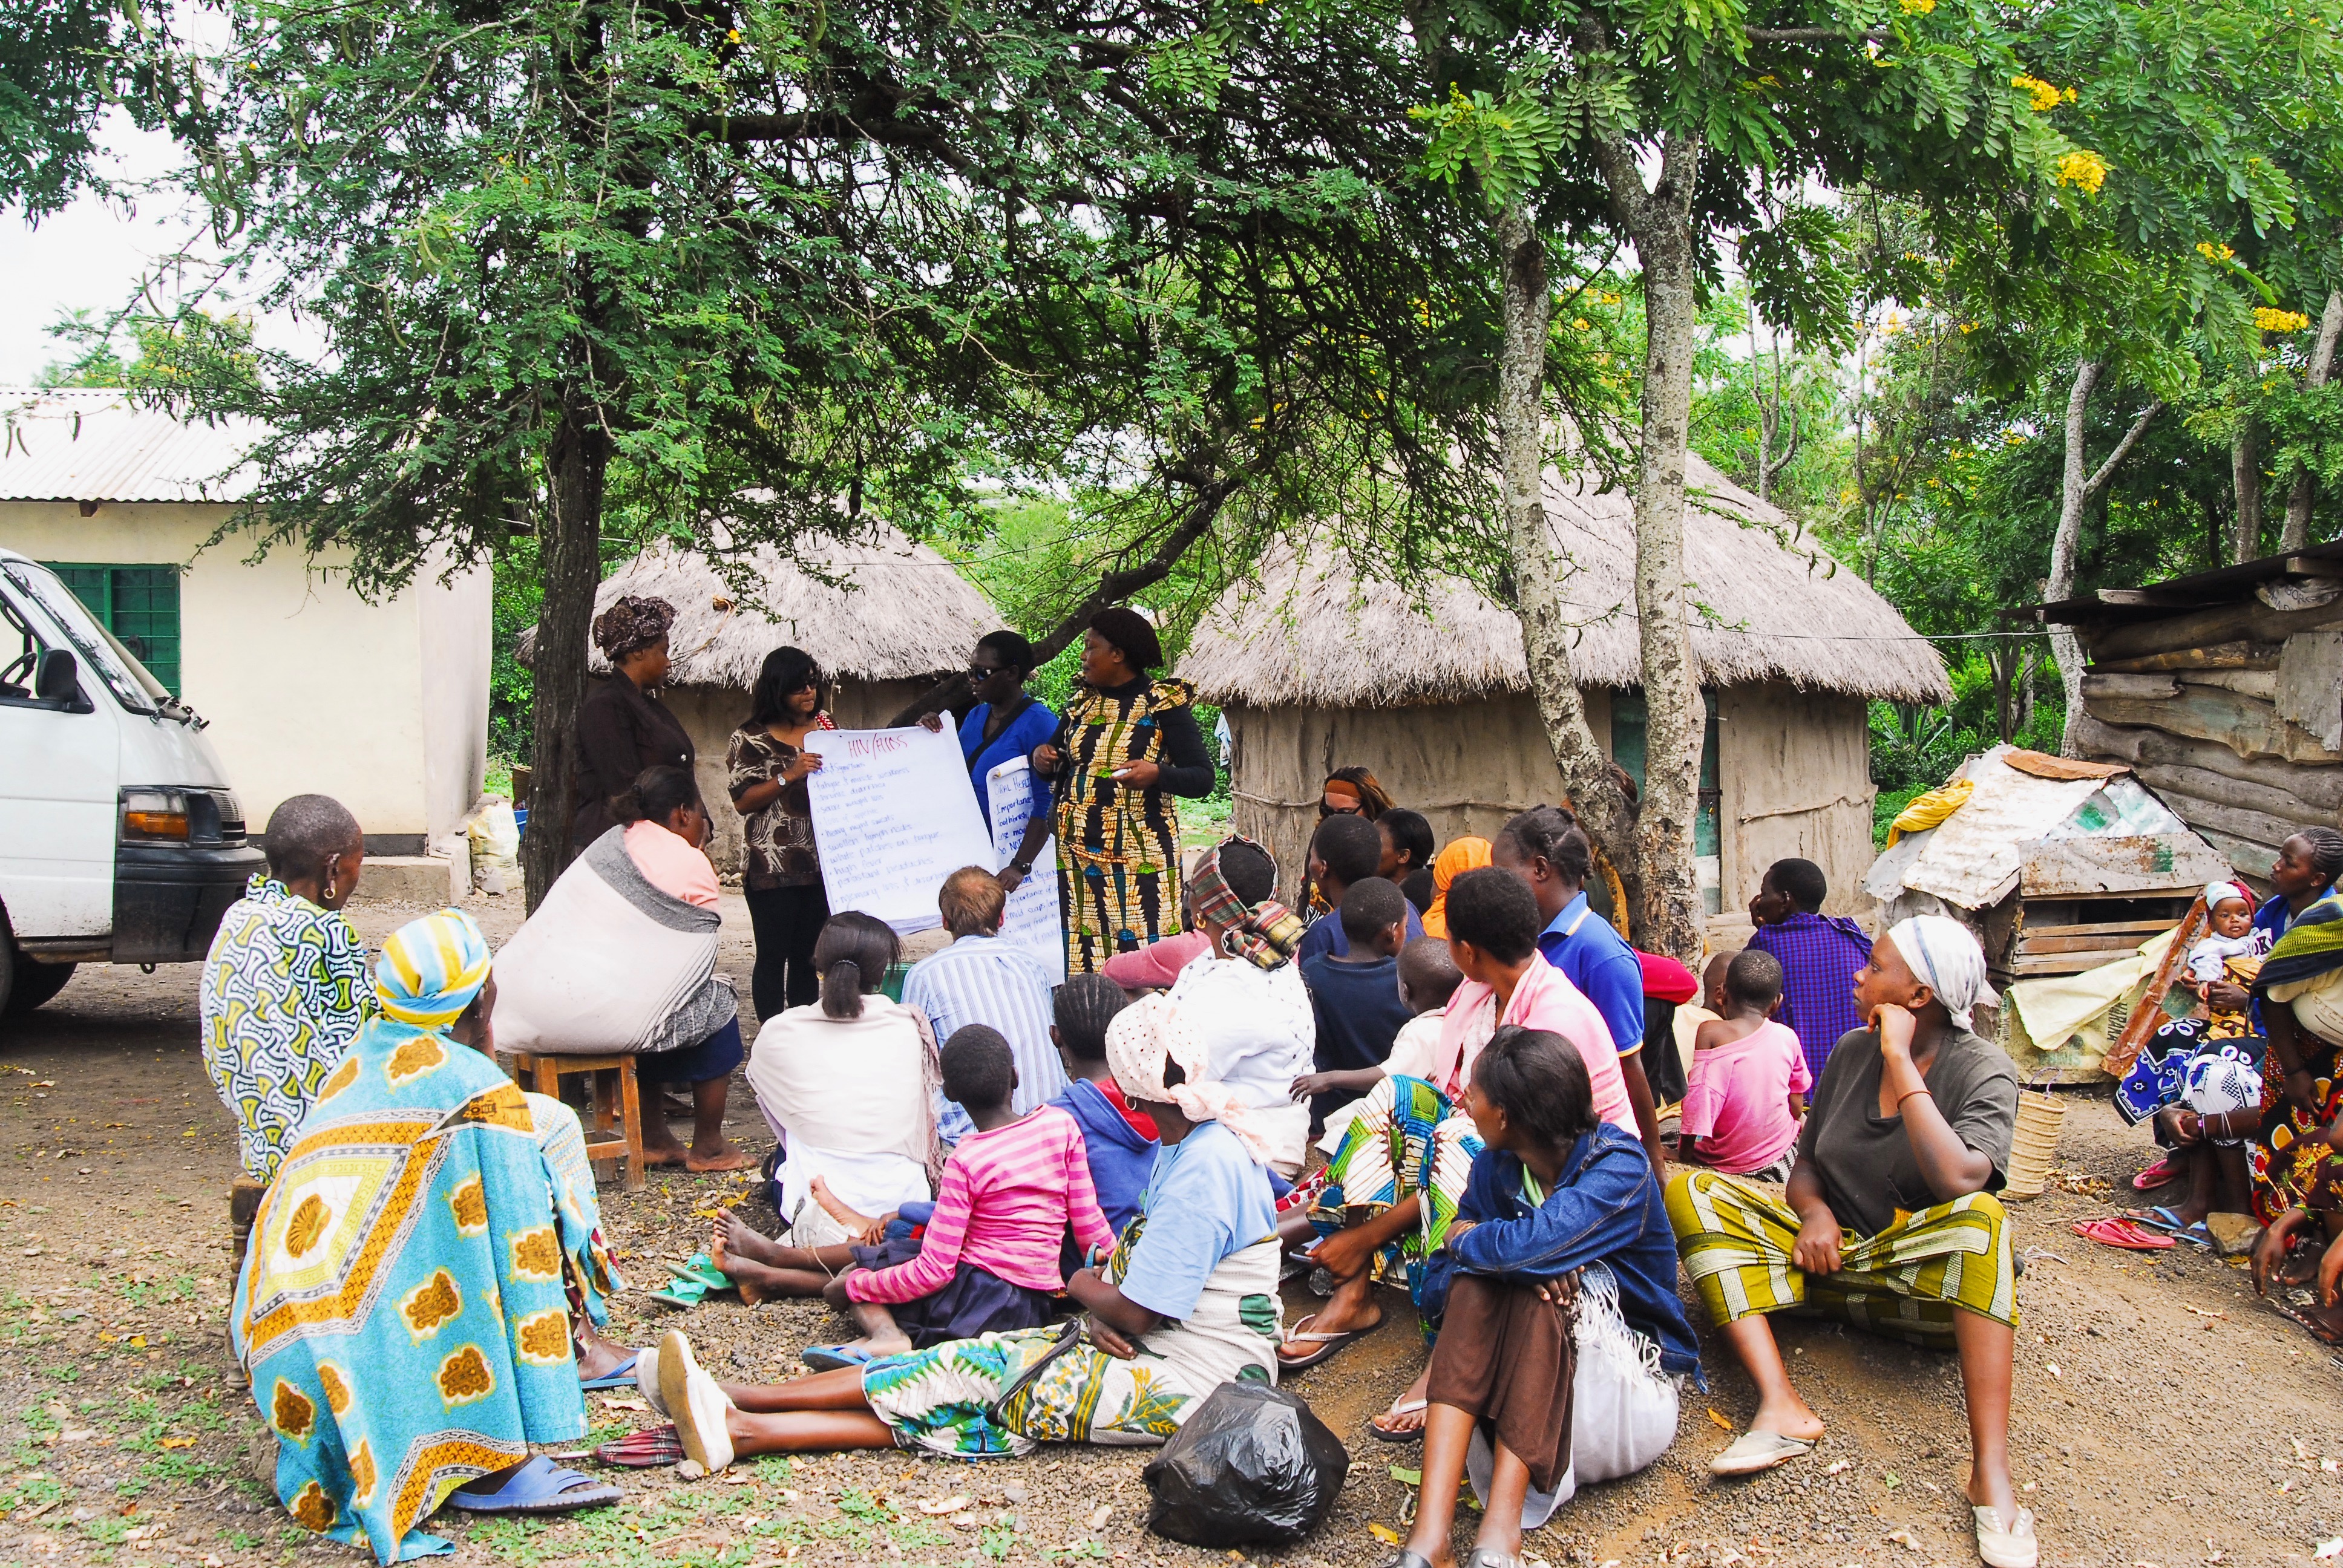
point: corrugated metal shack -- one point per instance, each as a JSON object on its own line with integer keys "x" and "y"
{"x": 2224, "y": 691}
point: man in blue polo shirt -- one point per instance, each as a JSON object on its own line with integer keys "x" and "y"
{"x": 1546, "y": 847}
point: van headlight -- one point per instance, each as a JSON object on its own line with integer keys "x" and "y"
{"x": 154, "y": 817}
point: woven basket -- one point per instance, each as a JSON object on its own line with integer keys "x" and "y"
{"x": 2036, "y": 1145}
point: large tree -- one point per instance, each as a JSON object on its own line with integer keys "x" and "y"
{"x": 781, "y": 265}
{"x": 64, "y": 65}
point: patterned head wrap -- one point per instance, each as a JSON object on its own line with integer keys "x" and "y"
{"x": 2218, "y": 893}
{"x": 1460, "y": 856}
{"x": 1945, "y": 958}
{"x": 630, "y": 625}
{"x": 431, "y": 968}
{"x": 1266, "y": 933}
{"x": 1150, "y": 1032}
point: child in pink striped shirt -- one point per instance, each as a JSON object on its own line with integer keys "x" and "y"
{"x": 988, "y": 1261}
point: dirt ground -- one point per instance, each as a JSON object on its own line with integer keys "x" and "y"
{"x": 2164, "y": 1416}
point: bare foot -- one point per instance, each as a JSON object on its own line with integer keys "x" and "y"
{"x": 2001, "y": 1498}
{"x": 856, "y": 1223}
{"x": 742, "y": 1239}
{"x": 724, "y": 1155}
{"x": 599, "y": 1357}
{"x": 1791, "y": 1418}
{"x": 1399, "y": 1420}
{"x": 875, "y": 1346}
{"x": 659, "y": 1146}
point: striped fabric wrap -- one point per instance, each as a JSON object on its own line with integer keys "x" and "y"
{"x": 1905, "y": 1283}
{"x": 2312, "y": 947}
{"x": 431, "y": 968}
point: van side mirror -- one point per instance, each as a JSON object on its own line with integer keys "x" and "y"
{"x": 58, "y": 676}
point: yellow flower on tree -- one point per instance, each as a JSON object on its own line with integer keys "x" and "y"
{"x": 2272, "y": 320}
{"x": 1917, "y": 8}
{"x": 2084, "y": 168}
{"x": 2214, "y": 253}
{"x": 2041, "y": 94}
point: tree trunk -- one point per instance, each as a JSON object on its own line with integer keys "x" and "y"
{"x": 2065, "y": 543}
{"x": 2246, "y": 482}
{"x": 1659, "y": 220}
{"x": 1546, "y": 627}
{"x": 2296, "y": 535}
{"x": 569, "y": 560}
{"x": 2076, "y": 492}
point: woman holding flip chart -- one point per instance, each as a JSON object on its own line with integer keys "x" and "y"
{"x": 766, "y": 769}
{"x": 1007, "y": 723}
{"x": 1127, "y": 745}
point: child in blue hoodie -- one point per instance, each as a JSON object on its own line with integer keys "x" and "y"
{"x": 1119, "y": 1137}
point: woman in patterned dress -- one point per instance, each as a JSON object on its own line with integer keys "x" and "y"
{"x": 766, "y": 767}
{"x": 1187, "y": 1302}
{"x": 1127, "y": 744}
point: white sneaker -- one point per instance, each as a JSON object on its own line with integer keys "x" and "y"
{"x": 647, "y": 1382}
{"x": 2012, "y": 1548}
{"x": 694, "y": 1404}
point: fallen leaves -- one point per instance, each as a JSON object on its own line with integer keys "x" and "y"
{"x": 2332, "y": 1548}
{"x": 1101, "y": 1514}
{"x": 611, "y": 1403}
{"x": 1838, "y": 1467}
{"x": 179, "y": 1442}
{"x": 1719, "y": 1419}
{"x": 1903, "y": 1537}
{"x": 946, "y": 1504}
{"x": 1390, "y": 1537}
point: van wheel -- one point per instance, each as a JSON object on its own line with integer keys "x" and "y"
{"x": 34, "y": 984}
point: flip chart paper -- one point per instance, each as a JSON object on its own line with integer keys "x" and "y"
{"x": 893, "y": 815}
{"x": 1034, "y": 920}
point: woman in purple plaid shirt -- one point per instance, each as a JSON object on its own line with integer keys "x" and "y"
{"x": 1820, "y": 954}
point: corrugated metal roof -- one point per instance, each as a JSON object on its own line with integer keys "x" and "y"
{"x": 75, "y": 444}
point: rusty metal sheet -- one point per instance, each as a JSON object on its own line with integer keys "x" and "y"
{"x": 2127, "y": 863}
{"x": 1973, "y": 856}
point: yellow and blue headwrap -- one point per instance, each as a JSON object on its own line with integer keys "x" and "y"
{"x": 431, "y": 968}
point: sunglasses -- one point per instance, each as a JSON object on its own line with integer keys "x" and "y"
{"x": 1324, "y": 810}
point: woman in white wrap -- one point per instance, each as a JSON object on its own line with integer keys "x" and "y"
{"x": 850, "y": 1085}
{"x": 620, "y": 959}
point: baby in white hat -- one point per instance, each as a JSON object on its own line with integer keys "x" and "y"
{"x": 2229, "y": 910}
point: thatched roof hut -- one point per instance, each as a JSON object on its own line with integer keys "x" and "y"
{"x": 891, "y": 618}
{"x": 1318, "y": 668}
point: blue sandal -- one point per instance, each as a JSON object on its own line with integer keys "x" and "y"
{"x": 835, "y": 1358}
{"x": 622, "y": 1376}
{"x": 539, "y": 1486}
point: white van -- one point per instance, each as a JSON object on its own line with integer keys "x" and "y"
{"x": 120, "y": 841}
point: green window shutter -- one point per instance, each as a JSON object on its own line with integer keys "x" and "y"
{"x": 139, "y": 605}
{"x": 1629, "y": 721}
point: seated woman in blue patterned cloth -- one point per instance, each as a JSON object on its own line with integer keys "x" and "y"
{"x": 427, "y": 1273}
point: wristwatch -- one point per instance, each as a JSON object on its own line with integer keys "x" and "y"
{"x": 1022, "y": 868}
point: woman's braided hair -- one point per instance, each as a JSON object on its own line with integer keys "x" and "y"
{"x": 2326, "y": 852}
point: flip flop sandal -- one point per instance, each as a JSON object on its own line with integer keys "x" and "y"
{"x": 693, "y": 1281}
{"x": 653, "y": 1448}
{"x": 2160, "y": 1217}
{"x": 835, "y": 1358}
{"x": 1404, "y": 1558}
{"x": 621, "y": 1376}
{"x": 697, "y": 1403}
{"x": 2012, "y": 1548}
{"x": 2128, "y": 1235}
{"x": 1754, "y": 1452}
{"x": 1327, "y": 1344}
{"x": 539, "y": 1486}
{"x": 1490, "y": 1557}
{"x": 2163, "y": 1173}
{"x": 1383, "y": 1433}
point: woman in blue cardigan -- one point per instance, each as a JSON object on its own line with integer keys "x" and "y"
{"x": 1554, "y": 1190}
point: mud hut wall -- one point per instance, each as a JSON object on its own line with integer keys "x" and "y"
{"x": 1793, "y": 771}
{"x": 712, "y": 713}
{"x": 1467, "y": 765}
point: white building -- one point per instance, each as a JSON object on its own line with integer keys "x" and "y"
{"x": 308, "y": 687}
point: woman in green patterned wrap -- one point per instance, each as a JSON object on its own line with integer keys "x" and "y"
{"x": 1187, "y": 1302}
{"x": 1127, "y": 744}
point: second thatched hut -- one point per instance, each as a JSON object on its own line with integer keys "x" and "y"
{"x": 1426, "y": 684}
{"x": 892, "y": 617}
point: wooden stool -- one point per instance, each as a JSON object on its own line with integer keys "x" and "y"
{"x": 612, "y": 1081}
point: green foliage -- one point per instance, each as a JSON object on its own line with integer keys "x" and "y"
{"x": 64, "y": 64}
{"x": 192, "y": 349}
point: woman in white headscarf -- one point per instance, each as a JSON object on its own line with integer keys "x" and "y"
{"x": 1889, "y": 1221}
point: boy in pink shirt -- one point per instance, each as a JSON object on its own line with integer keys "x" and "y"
{"x": 1747, "y": 1086}
{"x": 988, "y": 1260}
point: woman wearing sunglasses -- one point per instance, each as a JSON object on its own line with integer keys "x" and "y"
{"x": 1007, "y": 722}
{"x": 766, "y": 767}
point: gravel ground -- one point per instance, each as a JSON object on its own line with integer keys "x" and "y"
{"x": 2163, "y": 1415}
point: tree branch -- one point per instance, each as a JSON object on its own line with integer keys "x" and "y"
{"x": 1813, "y": 35}
{"x": 2097, "y": 482}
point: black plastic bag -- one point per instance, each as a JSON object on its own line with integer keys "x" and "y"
{"x": 1252, "y": 1467}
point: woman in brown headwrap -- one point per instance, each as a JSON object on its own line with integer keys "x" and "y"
{"x": 621, "y": 728}
{"x": 1127, "y": 744}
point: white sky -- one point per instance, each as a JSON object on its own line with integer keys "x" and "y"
{"x": 92, "y": 255}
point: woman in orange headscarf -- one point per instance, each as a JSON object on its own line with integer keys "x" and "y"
{"x": 1460, "y": 856}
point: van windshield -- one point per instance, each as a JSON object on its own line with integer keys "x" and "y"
{"x": 108, "y": 660}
